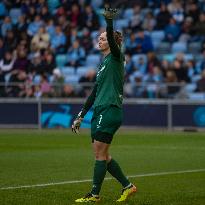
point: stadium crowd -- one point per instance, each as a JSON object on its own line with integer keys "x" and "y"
{"x": 48, "y": 48}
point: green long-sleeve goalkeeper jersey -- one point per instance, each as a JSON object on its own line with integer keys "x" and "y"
{"x": 108, "y": 88}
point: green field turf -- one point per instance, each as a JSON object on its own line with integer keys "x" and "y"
{"x": 32, "y": 157}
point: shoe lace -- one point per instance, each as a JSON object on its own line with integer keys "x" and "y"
{"x": 88, "y": 195}
{"x": 125, "y": 189}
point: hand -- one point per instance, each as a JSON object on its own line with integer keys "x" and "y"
{"x": 76, "y": 125}
{"x": 109, "y": 13}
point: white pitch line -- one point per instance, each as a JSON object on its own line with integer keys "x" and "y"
{"x": 107, "y": 178}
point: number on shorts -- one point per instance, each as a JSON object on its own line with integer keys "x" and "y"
{"x": 100, "y": 119}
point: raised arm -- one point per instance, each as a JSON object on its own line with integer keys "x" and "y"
{"x": 109, "y": 14}
{"x": 88, "y": 104}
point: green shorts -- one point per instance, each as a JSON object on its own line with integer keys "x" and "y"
{"x": 105, "y": 122}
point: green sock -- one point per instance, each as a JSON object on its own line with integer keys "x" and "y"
{"x": 100, "y": 170}
{"x": 114, "y": 169}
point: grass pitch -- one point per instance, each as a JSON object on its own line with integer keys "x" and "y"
{"x": 31, "y": 157}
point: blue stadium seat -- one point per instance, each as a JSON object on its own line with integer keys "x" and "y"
{"x": 136, "y": 58}
{"x": 96, "y": 4}
{"x": 94, "y": 34}
{"x": 72, "y": 79}
{"x": 195, "y": 78}
{"x": 188, "y": 57}
{"x": 37, "y": 79}
{"x": 81, "y": 71}
{"x": 196, "y": 96}
{"x": 194, "y": 47}
{"x": 67, "y": 70}
{"x": 93, "y": 60}
{"x": 14, "y": 14}
{"x": 121, "y": 23}
{"x": 190, "y": 87}
{"x": 179, "y": 47}
{"x": 52, "y": 5}
{"x": 128, "y": 13}
{"x": 3, "y": 10}
{"x": 164, "y": 48}
{"x": 169, "y": 57}
{"x": 61, "y": 60}
{"x": 157, "y": 37}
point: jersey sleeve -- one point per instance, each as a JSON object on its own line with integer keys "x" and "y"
{"x": 114, "y": 48}
{"x": 89, "y": 102}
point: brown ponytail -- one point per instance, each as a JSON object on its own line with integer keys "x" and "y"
{"x": 118, "y": 38}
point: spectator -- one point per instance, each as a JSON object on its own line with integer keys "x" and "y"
{"x": 48, "y": 63}
{"x": 141, "y": 65}
{"x": 191, "y": 70}
{"x": 192, "y": 11}
{"x": 186, "y": 29}
{"x": 3, "y": 10}
{"x": 17, "y": 89}
{"x": 36, "y": 65}
{"x": 6, "y": 26}
{"x": 45, "y": 87}
{"x": 199, "y": 28}
{"x": 89, "y": 78}
{"x": 2, "y": 48}
{"x": 64, "y": 23}
{"x": 34, "y": 26}
{"x": 74, "y": 16}
{"x": 143, "y": 42}
{"x": 41, "y": 40}
{"x": 76, "y": 54}
{"x": 152, "y": 61}
{"x": 163, "y": 17}
{"x": 10, "y": 40}
{"x": 31, "y": 13}
{"x": 176, "y": 10}
{"x": 50, "y": 28}
{"x": 131, "y": 44}
{"x": 22, "y": 24}
{"x": 44, "y": 13}
{"x": 129, "y": 66}
{"x": 21, "y": 62}
{"x": 90, "y": 18}
{"x": 172, "y": 31}
{"x": 201, "y": 83}
{"x": 136, "y": 19}
{"x": 86, "y": 40}
{"x": 68, "y": 91}
{"x": 7, "y": 63}
{"x": 149, "y": 22}
{"x": 202, "y": 64}
{"x": 171, "y": 80}
{"x": 58, "y": 41}
{"x": 58, "y": 82}
{"x": 180, "y": 71}
{"x": 156, "y": 76}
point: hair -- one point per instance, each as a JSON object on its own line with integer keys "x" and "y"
{"x": 118, "y": 38}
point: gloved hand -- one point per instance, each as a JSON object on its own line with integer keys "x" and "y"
{"x": 109, "y": 13}
{"x": 76, "y": 125}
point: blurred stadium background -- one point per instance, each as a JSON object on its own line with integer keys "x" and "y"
{"x": 48, "y": 64}
{"x": 49, "y": 59}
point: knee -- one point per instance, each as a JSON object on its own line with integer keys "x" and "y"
{"x": 108, "y": 158}
{"x": 100, "y": 156}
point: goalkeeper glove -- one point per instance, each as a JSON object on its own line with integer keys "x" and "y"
{"x": 109, "y": 13}
{"x": 76, "y": 125}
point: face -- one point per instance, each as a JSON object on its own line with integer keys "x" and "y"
{"x": 102, "y": 42}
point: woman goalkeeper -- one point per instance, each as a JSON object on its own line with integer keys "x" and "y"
{"x": 106, "y": 99}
